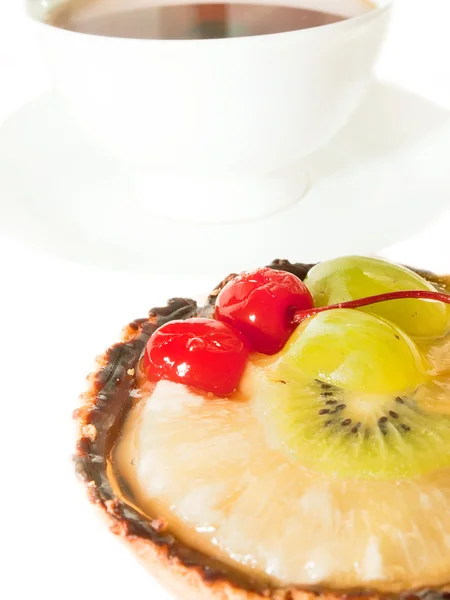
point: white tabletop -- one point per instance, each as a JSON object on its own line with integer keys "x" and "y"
{"x": 55, "y": 316}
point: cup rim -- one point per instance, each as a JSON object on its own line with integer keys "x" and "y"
{"x": 300, "y": 34}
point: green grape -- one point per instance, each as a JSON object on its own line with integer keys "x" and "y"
{"x": 352, "y": 277}
{"x": 355, "y": 351}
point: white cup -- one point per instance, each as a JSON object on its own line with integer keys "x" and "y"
{"x": 216, "y": 129}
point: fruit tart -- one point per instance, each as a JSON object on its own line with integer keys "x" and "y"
{"x": 290, "y": 439}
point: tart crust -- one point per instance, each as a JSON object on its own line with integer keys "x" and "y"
{"x": 186, "y": 572}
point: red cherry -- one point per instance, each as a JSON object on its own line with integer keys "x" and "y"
{"x": 202, "y": 353}
{"x": 261, "y": 305}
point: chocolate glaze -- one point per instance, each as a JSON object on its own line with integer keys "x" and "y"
{"x": 101, "y": 417}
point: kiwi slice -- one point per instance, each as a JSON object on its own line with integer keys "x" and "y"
{"x": 344, "y": 424}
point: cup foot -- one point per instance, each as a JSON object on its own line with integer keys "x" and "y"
{"x": 219, "y": 199}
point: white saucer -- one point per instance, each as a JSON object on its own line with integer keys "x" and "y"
{"x": 380, "y": 180}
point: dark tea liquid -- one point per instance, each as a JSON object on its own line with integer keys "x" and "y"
{"x": 190, "y": 21}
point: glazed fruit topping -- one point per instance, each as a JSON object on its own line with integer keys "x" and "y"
{"x": 201, "y": 353}
{"x": 258, "y": 311}
{"x": 261, "y": 305}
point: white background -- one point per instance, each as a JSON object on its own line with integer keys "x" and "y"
{"x": 55, "y": 316}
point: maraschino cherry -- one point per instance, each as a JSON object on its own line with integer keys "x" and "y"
{"x": 261, "y": 305}
{"x": 201, "y": 353}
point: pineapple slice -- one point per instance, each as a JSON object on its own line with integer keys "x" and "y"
{"x": 208, "y": 468}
